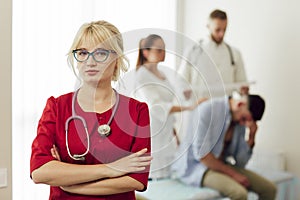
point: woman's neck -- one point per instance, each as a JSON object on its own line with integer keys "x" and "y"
{"x": 97, "y": 94}
{"x": 152, "y": 67}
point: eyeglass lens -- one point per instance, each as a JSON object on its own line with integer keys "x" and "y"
{"x": 99, "y": 55}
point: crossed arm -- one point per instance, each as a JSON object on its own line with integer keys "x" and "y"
{"x": 100, "y": 179}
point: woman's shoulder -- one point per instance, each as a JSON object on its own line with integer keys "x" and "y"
{"x": 143, "y": 75}
{"x": 61, "y": 99}
{"x": 142, "y": 72}
{"x": 130, "y": 100}
{"x": 132, "y": 103}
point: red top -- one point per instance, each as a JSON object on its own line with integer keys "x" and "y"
{"x": 130, "y": 132}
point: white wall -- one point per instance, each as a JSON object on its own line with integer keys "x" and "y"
{"x": 268, "y": 35}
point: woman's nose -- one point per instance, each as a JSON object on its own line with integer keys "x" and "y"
{"x": 91, "y": 61}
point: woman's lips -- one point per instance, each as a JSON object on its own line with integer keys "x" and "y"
{"x": 92, "y": 72}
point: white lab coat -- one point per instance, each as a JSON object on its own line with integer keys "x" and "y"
{"x": 208, "y": 70}
{"x": 159, "y": 95}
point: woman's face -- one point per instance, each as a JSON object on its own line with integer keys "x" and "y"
{"x": 156, "y": 53}
{"x": 92, "y": 71}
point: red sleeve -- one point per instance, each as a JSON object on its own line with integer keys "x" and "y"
{"x": 43, "y": 142}
{"x": 142, "y": 140}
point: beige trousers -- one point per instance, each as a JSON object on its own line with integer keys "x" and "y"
{"x": 228, "y": 187}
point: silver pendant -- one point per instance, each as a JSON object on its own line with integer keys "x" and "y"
{"x": 104, "y": 130}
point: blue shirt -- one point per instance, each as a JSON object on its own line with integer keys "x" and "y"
{"x": 209, "y": 123}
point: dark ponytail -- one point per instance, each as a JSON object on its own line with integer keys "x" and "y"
{"x": 145, "y": 44}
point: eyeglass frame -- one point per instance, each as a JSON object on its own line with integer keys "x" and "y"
{"x": 107, "y": 51}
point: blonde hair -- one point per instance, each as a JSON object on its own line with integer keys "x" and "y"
{"x": 100, "y": 32}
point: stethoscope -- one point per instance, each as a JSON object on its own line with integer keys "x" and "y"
{"x": 104, "y": 130}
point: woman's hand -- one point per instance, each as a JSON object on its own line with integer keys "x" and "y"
{"x": 55, "y": 153}
{"x": 132, "y": 163}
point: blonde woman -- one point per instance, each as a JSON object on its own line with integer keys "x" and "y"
{"x": 93, "y": 143}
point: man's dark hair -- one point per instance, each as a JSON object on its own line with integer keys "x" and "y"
{"x": 256, "y": 106}
{"x": 218, "y": 14}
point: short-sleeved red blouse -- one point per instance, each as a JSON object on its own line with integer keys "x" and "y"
{"x": 130, "y": 132}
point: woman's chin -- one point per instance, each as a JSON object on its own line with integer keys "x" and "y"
{"x": 97, "y": 81}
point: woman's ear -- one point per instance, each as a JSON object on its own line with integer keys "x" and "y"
{"x": 115, "y": 73}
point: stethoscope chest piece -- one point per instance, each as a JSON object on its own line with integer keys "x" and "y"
{"x": 104, "y": 130}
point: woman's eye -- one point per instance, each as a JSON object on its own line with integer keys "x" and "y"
{"x": 100, "y": 53}
{"x": 82, "y": 53}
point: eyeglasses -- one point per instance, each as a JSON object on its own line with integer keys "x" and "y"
{"x": 99, "y": 55}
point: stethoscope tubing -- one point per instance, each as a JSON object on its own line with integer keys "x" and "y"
{"x": 74, "y": 116}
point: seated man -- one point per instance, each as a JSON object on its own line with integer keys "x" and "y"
{"x": 215, "y": 151}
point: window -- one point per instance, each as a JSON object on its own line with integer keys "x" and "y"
{"x": 42, "y": 34}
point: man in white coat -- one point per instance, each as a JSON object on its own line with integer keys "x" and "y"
{"x": 213, "y": 52}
